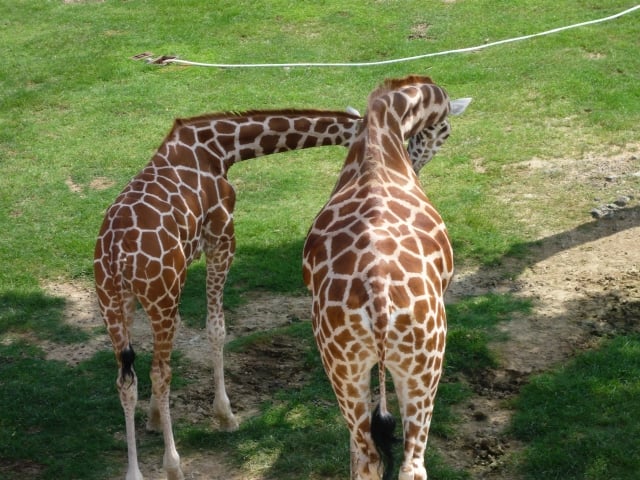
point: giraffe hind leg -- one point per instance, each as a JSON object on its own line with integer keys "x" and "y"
{"x": 160, "y": 384}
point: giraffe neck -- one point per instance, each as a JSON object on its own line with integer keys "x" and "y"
{"x": 395, "y": 113}
{"x": 409, "y": 110}
{"x": 218, "y": 141}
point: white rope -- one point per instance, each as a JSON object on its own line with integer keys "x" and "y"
{"x": 168, "y": 60}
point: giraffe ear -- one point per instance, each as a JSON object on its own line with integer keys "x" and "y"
{"x": 459, "y": 105}
{"x": 353, "y": 111}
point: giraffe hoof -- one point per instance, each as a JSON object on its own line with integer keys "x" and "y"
{"x": 153, "y": 425}
{"x": 175, "y": 473}
{"x": 228, "y": 424}
{"x": 133, "y": 474}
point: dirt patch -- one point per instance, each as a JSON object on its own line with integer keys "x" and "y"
{"x": 252, "y": 376}
{"x": 98, "y": 183}
{"x": 584, "y": 284}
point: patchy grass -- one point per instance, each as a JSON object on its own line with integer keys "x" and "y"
{"x": 580, "y": 421}
{"x": 304, "y": 419}
{"x": 78, "y": 119}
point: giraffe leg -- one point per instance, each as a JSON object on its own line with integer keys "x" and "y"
{"x": 162, "y": 310}
{"x": 364, "y": 459}
{"x": 351, "y": 385}
{"x": 416, "y": 433}
{"x": 118, "y": 318}
{"x": 127, "y": 384}
{"x": 416, "y": 407}
{"x": 154, "y": 423}
{"x": 221, "y": 404}
{"x": 218, "y": 264}
{"x": 160, "y": 382}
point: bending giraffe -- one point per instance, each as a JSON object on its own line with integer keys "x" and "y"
{"x": 179, "y": 206}
{"x": 378, "y": 260}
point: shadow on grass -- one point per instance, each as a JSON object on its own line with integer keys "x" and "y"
{"x": 523, "y": 255}
{"x": 581, "y": 421}
{"x": 472, "y": 324}
{"x": 299, "y": 432}
{"x": 57, "y": 421}
{"x": 276, "y": 269}
{"x": 61, "y": 421}
{"x": 38, "y": 314}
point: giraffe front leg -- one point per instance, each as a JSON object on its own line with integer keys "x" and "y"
{"x": 218, "y": 264}
{"x": 154, "y": 423}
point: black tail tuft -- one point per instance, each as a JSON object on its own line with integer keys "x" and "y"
{"x": 382, "y": 433}
{"x": 128, "y": 356}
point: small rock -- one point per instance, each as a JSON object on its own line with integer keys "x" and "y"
{"x": 479, "y": 416}
{"x": 621, "y": 201}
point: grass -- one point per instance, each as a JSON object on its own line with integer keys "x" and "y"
{"x": 46, "y": 408}
{"x": 472, "y": 323}
{"x": 38, "y": 314}
{"x": 580, "y": 420}
{"x": 78, "y": 119}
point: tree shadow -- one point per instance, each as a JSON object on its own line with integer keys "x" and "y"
{"x": 577, "y": 420}
{"x": 38, "y": 314}
{"x": 58, "y": 421}
{"x": 526, "y": 254}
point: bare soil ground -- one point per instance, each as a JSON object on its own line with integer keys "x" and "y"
{"x": 584, "y": 283}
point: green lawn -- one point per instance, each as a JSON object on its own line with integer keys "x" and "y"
{"x": 78, "y": 118}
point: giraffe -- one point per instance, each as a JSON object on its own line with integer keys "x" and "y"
{"x": 177, "y": 207}
{"x": 377, "y": 260}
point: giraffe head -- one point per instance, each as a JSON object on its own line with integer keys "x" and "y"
{"x": 423, "y": 145}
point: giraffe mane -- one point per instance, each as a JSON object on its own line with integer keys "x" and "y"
{"x": 248, "y": 113}
{"x": 390, "y": 84}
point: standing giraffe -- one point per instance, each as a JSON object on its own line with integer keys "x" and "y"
{"x": 378, "y": 261}
{"x": 179, "y": 206}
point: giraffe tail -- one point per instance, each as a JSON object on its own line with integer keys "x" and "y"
{"x": 383, "y": 426}
{"x": 119, "y": 312}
